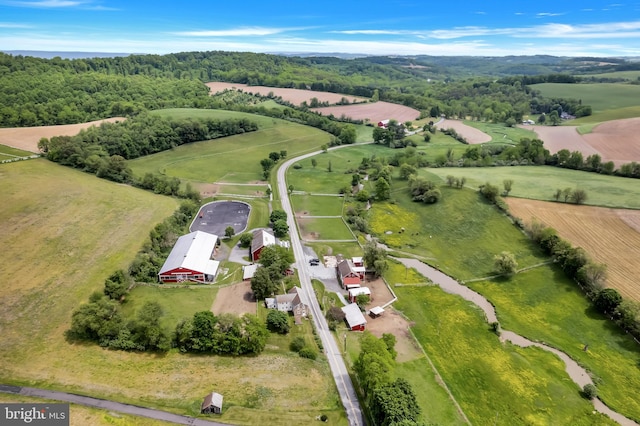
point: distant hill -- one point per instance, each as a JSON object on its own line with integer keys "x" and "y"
{"x": 64, "y": 55}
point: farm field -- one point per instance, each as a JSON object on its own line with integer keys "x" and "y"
{"x": 472, "y": 134}
{"x": 543, "y": 305}
{"x": 541, "y": 182}
{"x": 26, "y": 138}
{"x": 323, "y": 229}
{"x": 65, "y": 235}
{"x": 295, "y": 96}
{"x": 494, "y": 383}
{"x": 601, "y": 96}
{"x": 9, "y": 153}
{"x": 556, "y": 138}
{"x": 617, "y": 140}
{"x": 610, "y": 236}
{"x": 310, "y": 205}
{"x": 500, "y": 133}
{"x": 373, "y": 112}
{"x": 234, "y": 159}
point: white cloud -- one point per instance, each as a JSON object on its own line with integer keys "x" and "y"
{"x": 13, "y": 25}
{"x": 235, "y": 32}
{"x": 544, "y": 14}
{"x": 45, "y": 4}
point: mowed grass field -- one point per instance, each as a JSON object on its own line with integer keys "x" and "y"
{"x": 541, "y": 183}
{"x": 601, "y": 96}
{"x": 317, "y": 205}
{"x": 500, "y": 134}
{"x": 234, "y": 159}
{"x": 610, "y": 236}
{"x": 324, "y": 229}
{"x": 63, "y": 233}
{"x": 9, "y": 153}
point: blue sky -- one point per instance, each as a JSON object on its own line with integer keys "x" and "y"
{"x": 404, "y": 27}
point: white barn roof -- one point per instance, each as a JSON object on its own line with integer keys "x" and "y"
{"x": 248, "y": 271}
{"x": 353, "y": 315}
{"x": 353, "y": 292}
{"x": 193, "y": 251}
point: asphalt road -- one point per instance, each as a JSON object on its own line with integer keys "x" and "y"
{"x": 334, "y": 356}
{"x": 107, "y": 405}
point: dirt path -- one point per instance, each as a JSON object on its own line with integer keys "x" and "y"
{"x": 578, "y": 374}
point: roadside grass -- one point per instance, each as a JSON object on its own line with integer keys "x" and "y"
{"x": 500, "y": 133}
{"x": 461, "y": 233}
{"x": 319, "y": 180}
{"x": 243, "y": 190}
{"x": 494, "y": 383}
{"x": 601, "y": 96}
{"x": 330, "y": 248}
{"x": 541, "y": 182}
{"x": 309, "y": 205}
{"x": 542, "y": 304}
{"x": 234, "y": 159}
{"x": 177, "y": 303}
{"x": 324, "y": 229}
{"x": 81, "y": 415}
{"x": 364, "y": 133}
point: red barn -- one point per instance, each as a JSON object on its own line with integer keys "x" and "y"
{"x": 261, "y": 239}
{"x": 191, "y": 259}
{"x": 349, "y": 274}
{"x": 354, "y": 318}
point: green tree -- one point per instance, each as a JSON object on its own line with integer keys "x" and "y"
{"x": 607, "y": 300}
{"x": 202, "y": 332}
{"x": 383, "y": 189}
{"x": 329, "y": 168}
{"x": 117, "y": 285}
{"x": 490, "y": 192}
{"x": 375, "y": 258}
{"x": 590, "y": 391}
{"x": 395, "y": 403}
{"x": 314, "y": 162}
{"x": 262, "y": 284}
{"x": 348, "y": 134}
{"x": 297, "y": 344}
{"x": 278, "y": 322}
{"x": 505, "y": 263}
{"x": 277, "y": 259}
{"x": 280, "y": 228}
{"x": 229, "y": 232}
{"x": 579, "y": 196}
{"x": 554, "y": 118}
{"x": 277, "y": 215}
{"x": 407, "y": 170}
{"x": 362, "y": 300}
{"x": 508, "y": 185}
{"x": 245, "y": 240}
{"x": 147, "y": 331}
{"x": 390, "y": 342}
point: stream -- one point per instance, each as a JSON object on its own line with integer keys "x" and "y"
{"x": 578, "y": 374}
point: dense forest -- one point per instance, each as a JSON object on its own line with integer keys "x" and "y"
{"x": 35, "y": 91}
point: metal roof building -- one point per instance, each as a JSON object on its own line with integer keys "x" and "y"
{"x": 191, "y": 259}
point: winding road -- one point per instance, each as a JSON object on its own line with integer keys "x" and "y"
{"x": 578, "y": 374}
{"x": 341, "y": 376}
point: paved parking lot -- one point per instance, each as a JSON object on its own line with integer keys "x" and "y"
{"x": 216, "y": 216}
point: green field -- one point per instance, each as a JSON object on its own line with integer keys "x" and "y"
{"x": 243, "y": 190}
{"x": 324, "y": 229}
{"x": 318, "y": 205}
{"x": 66, "y": 231}
{"x": 328, "y": 248}
{"x": 460, "y": 234}
{"x": 627, "y": 75}
{"x": 542, "y": 304}
{"x": 601, "y": 96}
{"x": 319, "y": 180}
{"x": 500, "y": 134}
{"x": 233, "y": 159}
{"x": 541, "y": 182}
{"x": 495, "y": 384}
{"x": 8, "y": 153}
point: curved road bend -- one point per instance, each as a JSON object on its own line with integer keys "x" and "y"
{"x": 107, "y": 405}
{"x": 334, "y": 356}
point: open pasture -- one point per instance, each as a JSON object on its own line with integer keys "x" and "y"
{"x": 295, "y": 96}
{"x": 27, "y": 138}
{"x": 373, "y": 112}
{"x": 601, "y": 96}
{"x": 610, "y": 236}
{"x": 309, "y": 205}
{"x": 541, "y": 182}
{"x": 499, "y": 133}
{"x": 9, "y": 153}
{"x": 234, "y": 159}
{"x": 471, "y": 134}
{"x": 323, "y": 229}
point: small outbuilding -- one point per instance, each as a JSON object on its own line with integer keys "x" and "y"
{"x": 212, "y": 404}
{"x": 248, "y": 271}
{"x": 354, "y": 318}
{"x": 261, "y": 239}
{"x": 376, "y": 311}
{"x": 355, "y": 292}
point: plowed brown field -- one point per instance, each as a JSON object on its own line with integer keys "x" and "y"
{"x": 295, "y": 96}
{"x": 374, "y": 112}
{"x": 610, "y": 236}
{"x": 471, "y": 134}
{"x": 617, "y": 140}
{"x": 26, "y": 138}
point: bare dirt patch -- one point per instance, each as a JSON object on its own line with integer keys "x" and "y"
{"x": 471, "y": 134}
{"x": 207, "y": 190}
{"x": 26, "y": 138}
{"x": 618, "y": 140}
{"x": 295, "y": 96}
{"x": 380, "y": 293}
{"x": 373, "y": 111}
{"x": 235, "y": 299}
{"x": 394, "y": 323}
{"x": 610, "y": 236}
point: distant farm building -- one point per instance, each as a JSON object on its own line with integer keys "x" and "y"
{"x": 354, "y": 318}
{"x": 261, "y": 239}
{"x": 376, "y": 311}
{"x": 191, "y": 259}
{"x": 212, "y": 404}
{"x": 295, "y": 301}
{"x": 384, "y": 124}
{"x": 248, "y": 271}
